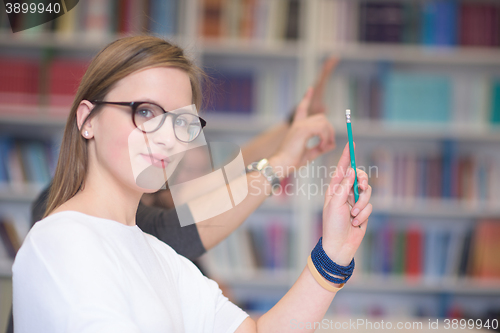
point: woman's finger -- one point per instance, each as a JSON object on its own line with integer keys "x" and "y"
{"x": 363, "y": 201}
{"x": 362, "y": 179}
{"x": 363, "y": 215}
{"x": 301, "y": 111}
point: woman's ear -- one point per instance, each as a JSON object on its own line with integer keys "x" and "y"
{"x": 82, "y": 112}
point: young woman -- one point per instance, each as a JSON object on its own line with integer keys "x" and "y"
{"x": 95, "y": 270}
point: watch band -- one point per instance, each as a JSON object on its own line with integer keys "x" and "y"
{"x": 267, "y": 171}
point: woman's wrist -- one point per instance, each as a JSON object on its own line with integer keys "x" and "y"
{"x": 338, "y": 256}
{"x": 281, "y": 165}
{"x": 329, "y": 269}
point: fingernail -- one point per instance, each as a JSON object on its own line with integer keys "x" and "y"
{"x": 349, "y": 172}
{"x": 355, "y": 223}
{"x": 355, "y": 211}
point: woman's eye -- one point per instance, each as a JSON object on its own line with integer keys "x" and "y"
{"x": 180, "y": 122}
{"x": 145, "y": 113}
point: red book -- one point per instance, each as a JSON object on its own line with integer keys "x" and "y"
{"x": 19, "y": 81}
{"x": 212, "y": 18}
{"x": 64, "y": 78}
{"x": 479, "y": 24}
{"x": 486, "y": 250}
{"x": 413, "y": 267}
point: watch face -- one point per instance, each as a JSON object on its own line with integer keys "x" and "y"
{"x": 268, "y": 171}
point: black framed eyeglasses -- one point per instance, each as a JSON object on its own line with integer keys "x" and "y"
{"x": 149, "y": 117}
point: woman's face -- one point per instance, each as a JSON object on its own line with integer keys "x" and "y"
{"x": 142, "y": 161}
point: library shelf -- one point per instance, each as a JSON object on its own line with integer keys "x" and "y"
{"x": 63, "y": 41}
{"x": 23, "y": 193}
{"x": 376, "y": 129}
{"x": 37, "y": 120}
{"x": 430, "y": 208}
{"x": 413, "y": 54}
{"x": 250, "y": 48}
{"x": 446, "y": 208}
{"x": 305, "y": 55}
{"x": 252, "y": 125}
{"x": 363, "y": 129}
{"x": 399, "y": 284}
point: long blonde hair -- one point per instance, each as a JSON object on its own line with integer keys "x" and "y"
{"x": 117, "y": 60}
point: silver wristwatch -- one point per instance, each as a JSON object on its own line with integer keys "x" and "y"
{"x": 267, "y": 171}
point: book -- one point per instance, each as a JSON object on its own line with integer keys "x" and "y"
{"x": 234, "y": 92}
{"x": 412, "y": 97}
{"x": 9, "y": 236}
{"x": 64, "y": 78}
{"x": 479, "y": 24}
{"x": 381, "y": 22}
{"x": 414, "y": 248}
{"x": 163, "y": 14}
{"x": 19, "y": 81}
{"x": 495, "y": 105}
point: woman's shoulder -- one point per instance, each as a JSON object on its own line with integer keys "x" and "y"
{"x": 65, "y": 227}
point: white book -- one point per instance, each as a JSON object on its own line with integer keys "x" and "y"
{"x": 232, "y": 18}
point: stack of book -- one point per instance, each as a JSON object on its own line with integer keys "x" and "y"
{"x": 430, "y": 251}
{"x": 248, "y": 251}
{"x": 449, "y": 175}
{"x": 417, "y": 97}
{"x": 432, "y": 23}
{"x": 98, "y": 18}
{"x": 26, "y": 84}
{"x": 251, "y": 19}
{"x": 25, "y": 163}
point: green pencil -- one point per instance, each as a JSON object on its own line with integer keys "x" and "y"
{"x": 351, "y": 153}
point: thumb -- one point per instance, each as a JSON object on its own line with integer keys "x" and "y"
{"x": 303, "y": 107}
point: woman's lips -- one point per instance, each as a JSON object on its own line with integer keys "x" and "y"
{"x": 159, "y": 161}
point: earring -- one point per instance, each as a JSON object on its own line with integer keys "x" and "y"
{"x": 86, "y": 133}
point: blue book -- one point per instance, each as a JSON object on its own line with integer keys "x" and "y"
{"x": 446, "y": 23}
{"x": 430, "y": 258}
{"x": 495, "y": 103}
{"x": 233, "y": 92}
{"x": 5, "y": 146}
{"x": 444, "y": 242}
{"x": 37, "y": 149}
{"x": 163, "y": 15}
{"x": 429, "y": 18}
{"x": 410, "y": 97}
{"x": 449, "y": 165}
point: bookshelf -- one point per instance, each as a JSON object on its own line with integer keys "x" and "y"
{"x": 269, "y": 57}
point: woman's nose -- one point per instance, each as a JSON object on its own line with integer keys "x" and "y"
{"x": 165, "y": 135}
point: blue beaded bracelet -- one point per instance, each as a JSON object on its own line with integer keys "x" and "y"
{"x": 325, "y": 265}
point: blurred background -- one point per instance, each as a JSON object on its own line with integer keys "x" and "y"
{"x": 422, "y": 79}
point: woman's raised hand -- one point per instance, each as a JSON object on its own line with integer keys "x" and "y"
{"x": 344, "y": 222}
{"x": 294, "y": 151}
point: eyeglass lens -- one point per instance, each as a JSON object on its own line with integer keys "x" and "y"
{"x": 148, "y": 117}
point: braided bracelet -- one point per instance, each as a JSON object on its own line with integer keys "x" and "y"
{"x": 326, "y": 267}
{"x": 322, "y": 282}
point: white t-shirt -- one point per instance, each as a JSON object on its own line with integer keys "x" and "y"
{"x": 80, "y": 273}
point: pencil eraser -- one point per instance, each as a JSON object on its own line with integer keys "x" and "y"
{"x": 347, "y": 112}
